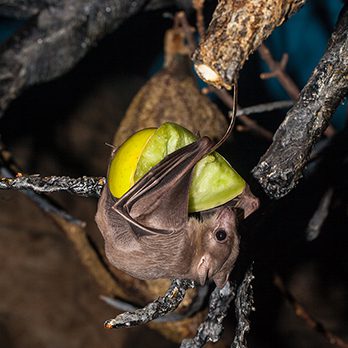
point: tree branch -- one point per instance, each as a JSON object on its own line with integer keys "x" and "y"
{"x": 264, "y": 107}
{"x": 84, "y": 186}
{"x": 244, "y": 306}
{"x": 235, "y": 31}
{"x": 252, "y": 125}
{"x": 211, "y": 329}
{"x": 318, "y": 218}
{"x": 158, "y": 308}
{"x": 278, "y": 70}
{"x": 280, "y": 169}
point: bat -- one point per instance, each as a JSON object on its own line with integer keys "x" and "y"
{"x": 149, "y": 233}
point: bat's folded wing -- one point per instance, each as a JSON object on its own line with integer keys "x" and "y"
{"x": 158, "y": 202}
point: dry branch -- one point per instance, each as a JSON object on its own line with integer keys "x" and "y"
{"x": 156, "y": 309}
{"x": 318, "y": 218}
{"x": 281, "y": 167}
{"x": 278, "y": 71}
{"x": 237, "y": 28}
{"x": 264, "y": 107}
{"x": 244, "y": 306}
{"x": 211, "y": 329}
{"x": 251, "y": 125}
{"x": 84, "y": 186}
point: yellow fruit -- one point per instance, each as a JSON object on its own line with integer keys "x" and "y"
{"x": 125, "y": 161}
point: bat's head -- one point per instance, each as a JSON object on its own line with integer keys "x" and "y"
{"x": 217, "y": 244}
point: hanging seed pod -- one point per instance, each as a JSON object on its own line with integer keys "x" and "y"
{"x": 172, "y": 96}
{"x": 237, "y": 28}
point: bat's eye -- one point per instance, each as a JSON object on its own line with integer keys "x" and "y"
{"x": 220, "y": 235}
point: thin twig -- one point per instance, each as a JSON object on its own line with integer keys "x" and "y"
{"x": 258, "y": 108}
{"x": 265, "y": 107}
{"x": 252, "y": 125}
{"x": 318, "y": 218}
{"x": 302, "y": 313}
{"x": 158, "y": 308}
{"x": 180, "y": 21}
{"x": 198, "y": 5}
{"x": 211, "y": 329}
{"x": 278, "y": 71}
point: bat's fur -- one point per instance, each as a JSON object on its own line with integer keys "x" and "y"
{"x": 192, "y": 252}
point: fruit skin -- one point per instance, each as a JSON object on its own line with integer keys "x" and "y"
{"x": 214, "y": 181}
{"x": 124, "y": 163}
{"x": 167, "y": 139}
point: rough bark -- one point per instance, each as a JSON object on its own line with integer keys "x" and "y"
{"x": 156, "y": 309}
{"x": 237, "y": 28}
{"x": 211, "y": 329}
{"x": 84, "y": 186}
{"x": 280, "y": 168}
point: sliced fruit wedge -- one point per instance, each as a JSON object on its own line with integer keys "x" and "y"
{"x": 124, "y": 164}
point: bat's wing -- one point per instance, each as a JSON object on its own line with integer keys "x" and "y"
{"x": 158, "y": 202}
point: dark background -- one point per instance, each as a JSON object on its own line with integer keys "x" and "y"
{"x": 59, "y": 128}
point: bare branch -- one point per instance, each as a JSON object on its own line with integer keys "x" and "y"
{"x": 280, "y": 169}
{"x": 255, "y": 109}
{"x": 158, "y": 308}
{"x": 198, "y": 5}
{"x": 278, "y": 71}
{"x": 265, "y": 107}
{"x": 180, "y": 21}
{"x": 318, "y": 218}
{"x": 235, "y": 31}
{"x": 211, "y": 329}
{"x": 248, "y": 122}
{"x": 197, "y": 305}
{"x": 84, "y": 186}
{"x": 244, "y": 306}
{"x": 303, "y": 314}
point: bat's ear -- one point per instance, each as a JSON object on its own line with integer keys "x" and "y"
{"x": 247, "y": 202}
{"x": 203, "y": 268}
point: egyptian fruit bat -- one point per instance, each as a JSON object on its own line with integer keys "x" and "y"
{"x": 149, "y": 233}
